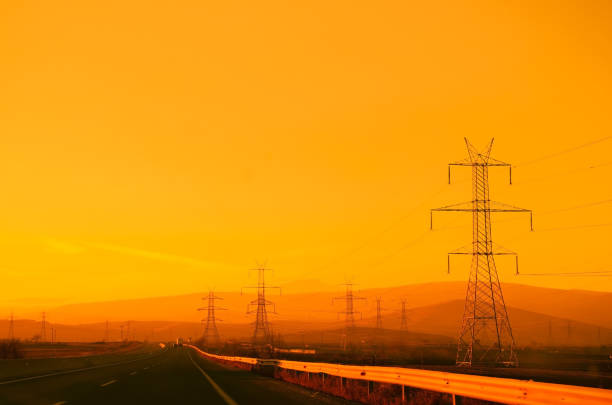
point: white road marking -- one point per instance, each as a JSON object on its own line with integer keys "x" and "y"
{"x": 108, "y": 383}
{"x": 228, "y": 400}
{"x": 60, "y": 403}
{"x": 146, "y": 368}
{"x": 133, "y": 372}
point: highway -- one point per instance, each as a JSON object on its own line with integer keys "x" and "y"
{"x": 172, "y": 376}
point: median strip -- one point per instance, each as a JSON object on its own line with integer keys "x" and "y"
{"x": 228, "y": 400}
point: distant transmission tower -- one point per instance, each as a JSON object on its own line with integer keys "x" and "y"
{"x": 378, "y": 314}
{"x": 349, "y": 313}
{"x": 486, "y": 335}
{"x": 211, "y": 334}
{"x": 262, "y": 333}
{"x": 404, "y": 322}
{"x": 11, "y": 331}
{"x": 43, "y": 327}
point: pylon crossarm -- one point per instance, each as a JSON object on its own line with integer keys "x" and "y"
{"x": 464, "y": 206}
{"x": 496, "y": 206}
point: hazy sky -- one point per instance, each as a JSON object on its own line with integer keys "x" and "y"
{"x": 156, "y": 148}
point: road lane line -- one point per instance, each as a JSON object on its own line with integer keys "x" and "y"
{"x": 36, "y": 377}
{"x": 228, "y": 400}
{"x": 133, "y": 372}
{"x": 108, "y": 383}
{"x": 60, "y": 403}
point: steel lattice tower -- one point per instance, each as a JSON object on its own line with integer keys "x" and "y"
{"x": 211, "y": 333}
{"x": 404, "y": 322}
{"x": 262, "y": 333}
{"x": 349, "y": 312}
{"x": 378, "y": 314}
{"x": 486, "y": 335}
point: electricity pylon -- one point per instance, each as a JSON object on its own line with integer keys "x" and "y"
{"x": 486, "y": 334}
{"x": 349, "y": 313}
{"x": 404, "y": 322}
{"x": 262, "y": 334}
{"x": 11, "y": 331}
{"x": 211, "y": 334}
{"x": 43, "y": 327}
{"x": 378, "y": 314}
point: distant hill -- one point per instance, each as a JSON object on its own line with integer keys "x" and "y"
{"x": 431, "y": 324}
{"x": 529, "y": 328}
{"x": 574, "y": 305}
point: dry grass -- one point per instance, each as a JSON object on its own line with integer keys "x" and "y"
{"x": 363, "y": 391}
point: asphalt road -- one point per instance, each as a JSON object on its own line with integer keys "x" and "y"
{"x": 172, "y": 376}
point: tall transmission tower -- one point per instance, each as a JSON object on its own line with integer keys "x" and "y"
{"x": 262, "y": 333}
{"x": 11, "y": 331}
{"x": 486, "y": 334}
{"x": 349, "y": 313}
{"x": 378, "y": 314}
{"x": 211, "y": 334}
{"x": 43, "y": 327}
{"x": 404, "y": 322}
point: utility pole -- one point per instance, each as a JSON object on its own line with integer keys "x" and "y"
{"x": 349, "y": 313}
{"x": 211, "y": 334}
{"x": 378, "y": 314}
{"x": 121, "y": 327}
{"x": 11, "y": 331}
{"x": 404, "y": 322}
{"x": 486, "y": 334}
{"x": 262, "y": 334}
{"x": 43, "y": 327}
{"x": 106, "y": 333}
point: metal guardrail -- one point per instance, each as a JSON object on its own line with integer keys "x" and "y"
{"x": 494, "y": 389}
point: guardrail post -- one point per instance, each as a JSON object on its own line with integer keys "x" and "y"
{"x": 454, "y": 400}
{"x": 404, "y": 395}
{"x": 340, "y": 383}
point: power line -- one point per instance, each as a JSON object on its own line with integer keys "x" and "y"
{"x": 548, "y": 177}
{"x": 563, "y": 152}
{"x": 384, "y": 231}
{"x": 564, "y": 228}
{"x": 576, "y": 273}
{"x": 575, "y": 207}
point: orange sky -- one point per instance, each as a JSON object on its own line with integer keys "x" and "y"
{"x": 153, "y": 148}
